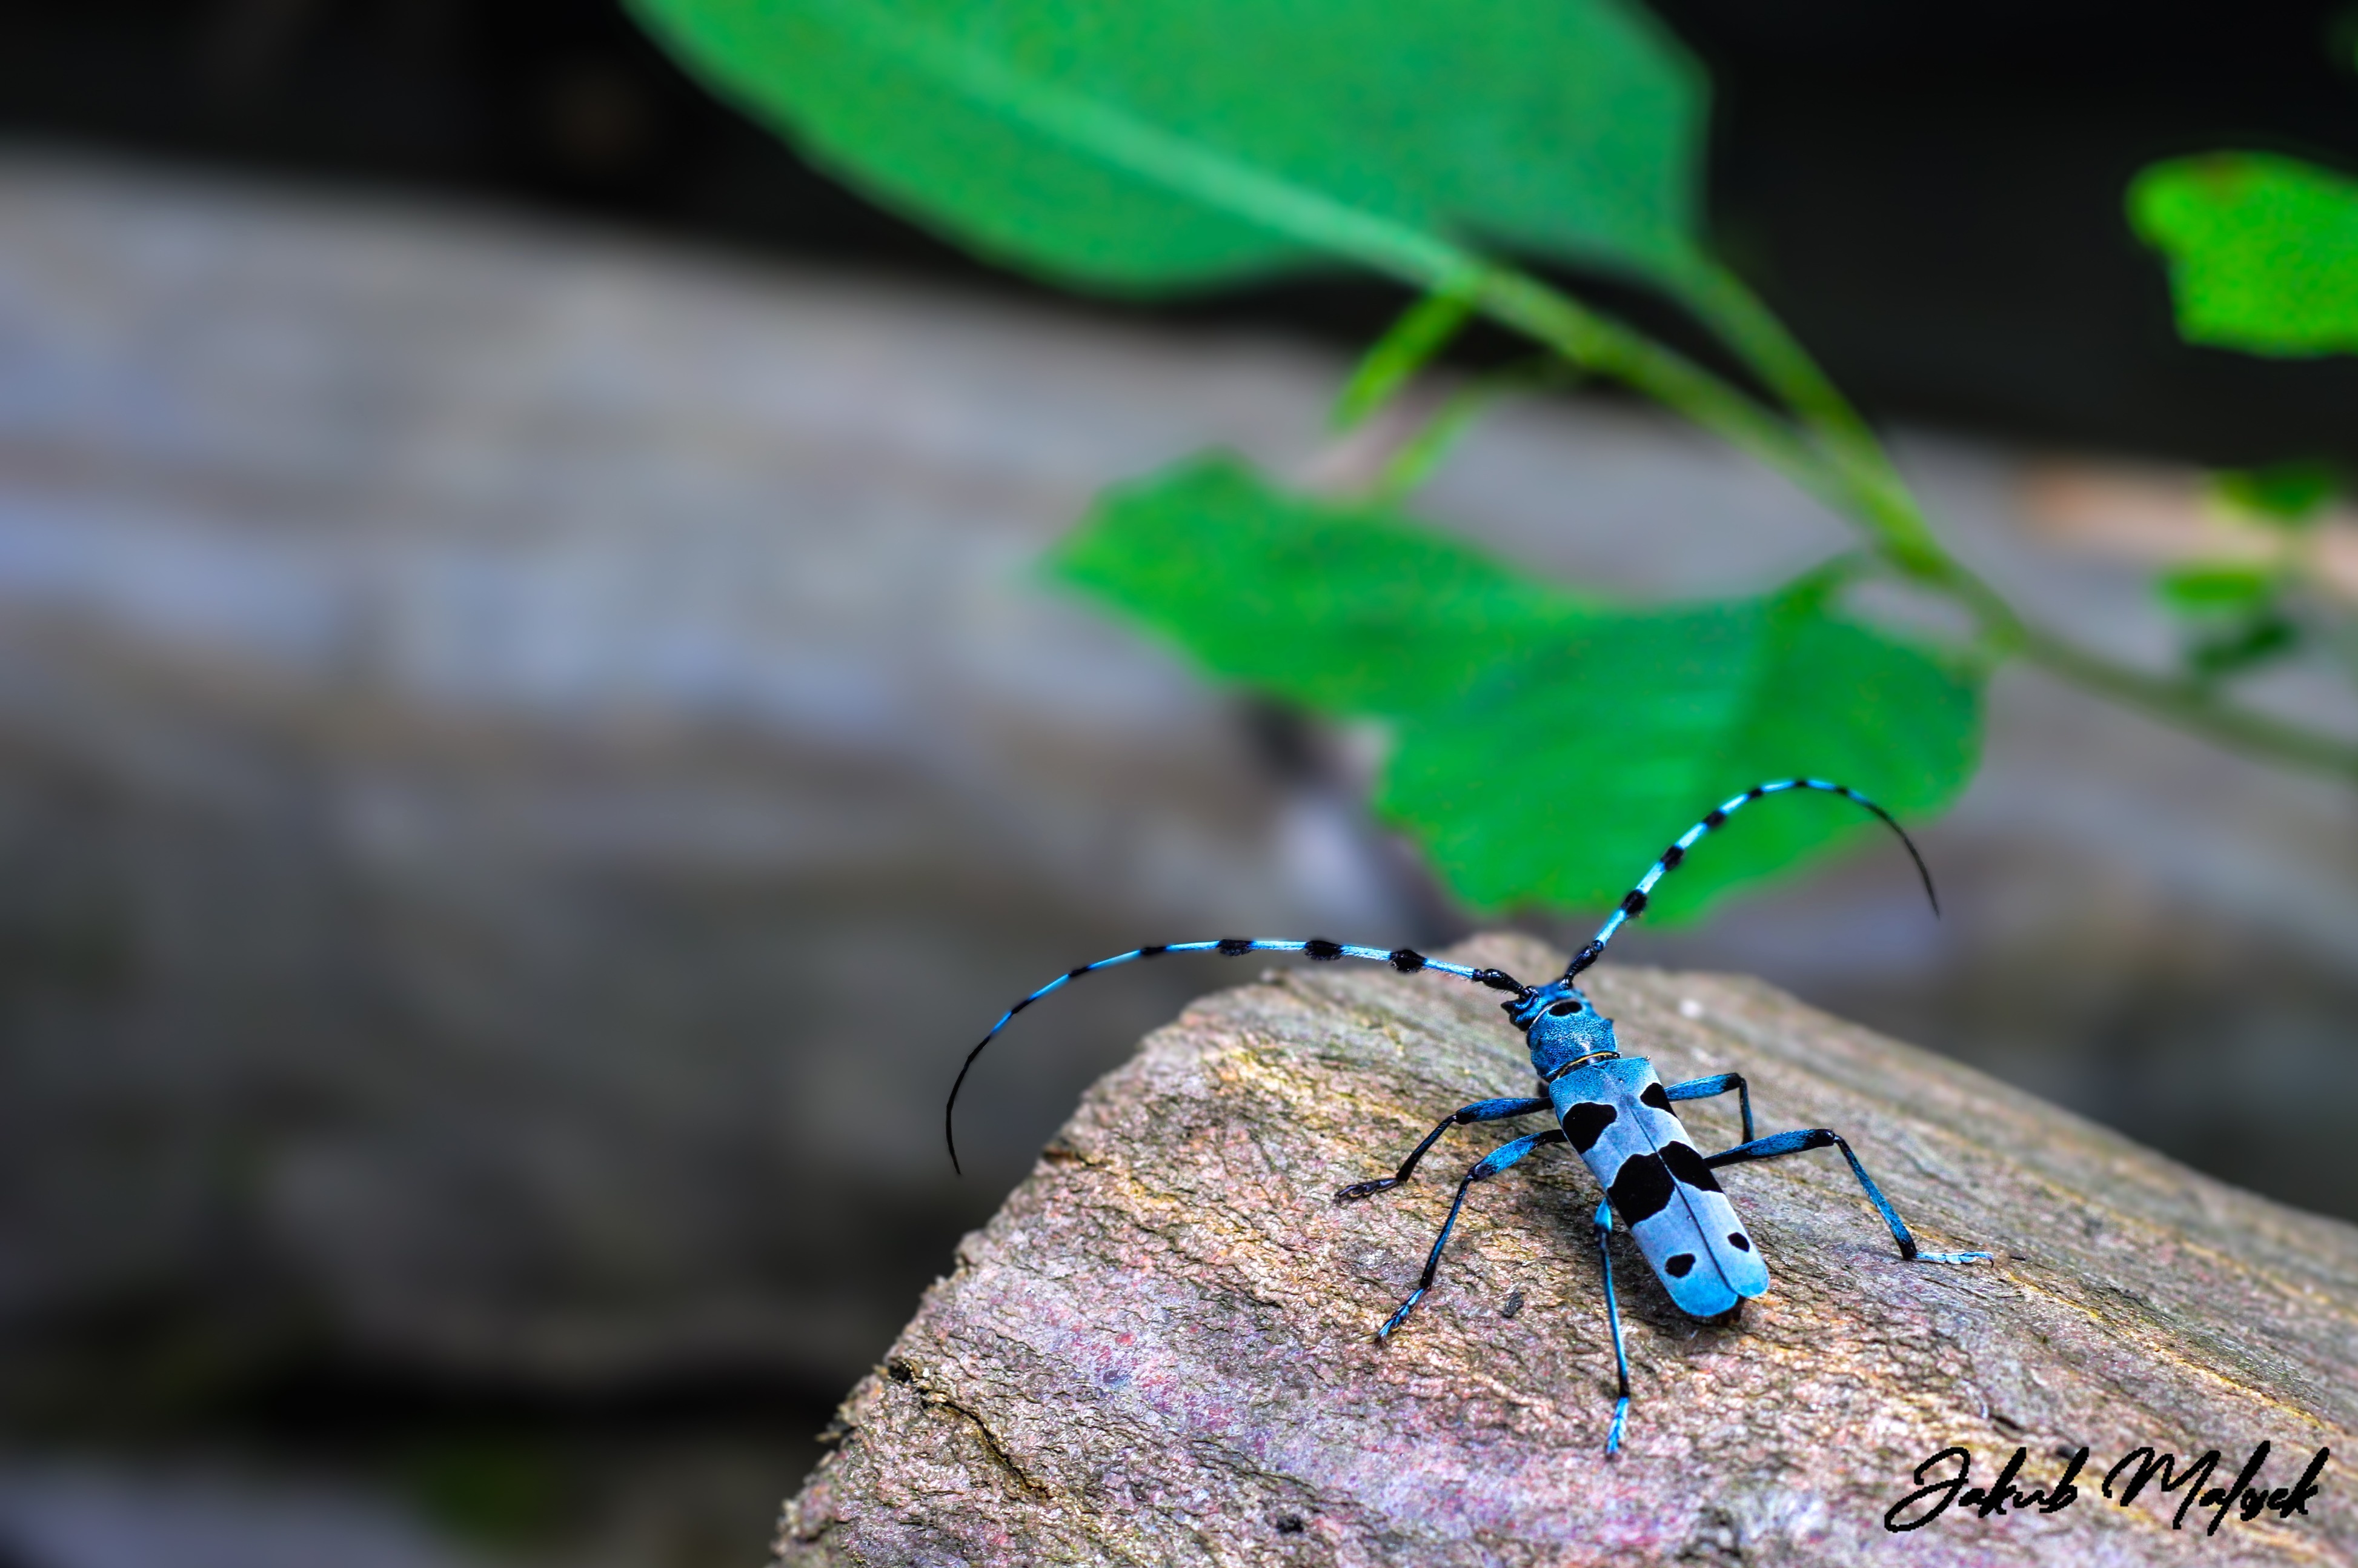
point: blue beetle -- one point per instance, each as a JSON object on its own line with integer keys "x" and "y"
{"x": 1613, "y": 1110}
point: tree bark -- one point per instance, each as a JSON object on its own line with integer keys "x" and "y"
{"x": 1160, "y": 1350}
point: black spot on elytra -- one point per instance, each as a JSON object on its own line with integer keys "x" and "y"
{"x": 1235, "y": 946}
{"x": 1634, "y": 904}
{"x": 1407, "y": 960}
{"x": 1655, "y": 1096}
{"x": 1740, "y": 1241}
{"x": 1585, "y": 1123}
{"x": 1688, "y": 1166}
{"x": 1679, "y": 1265}
{"x": 1322, "y": 950}
{"x": 1642, "y": 1188}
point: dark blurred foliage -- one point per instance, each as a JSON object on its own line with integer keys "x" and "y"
{"x": 1929, "y": 195}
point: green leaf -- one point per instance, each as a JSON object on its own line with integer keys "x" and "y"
{"x": 1349, "y": 610}
{"x": 2244, "y": 646}
{"x": 2262, "y": 250}
{"x": 1561, "y": 781}
{"x": 2284, "y": 493}
{"x": 1547, "y": 746}
{"x": 2207, "y": 590}
{"x": 1148, "y": 146}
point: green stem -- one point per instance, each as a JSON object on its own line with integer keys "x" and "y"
{"x": 1882, "y": 499}
{"x": 1883, "y": 502}
{"x": 1424, "y": 331}
{"x": 1412, "y": 462}
{"x": 1847, "y": 466}
{"x": 2192, "y": 707}
{"x": 1602, "y": 346}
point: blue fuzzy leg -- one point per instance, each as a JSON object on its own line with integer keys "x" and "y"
{"x": 1703, "y": 1089}
{"x": 1489, "y": 1165}
{"x": 1480, "y": 1110}
{"x": 1780, "y": 1143}
{"x": 1613, "y": 1317}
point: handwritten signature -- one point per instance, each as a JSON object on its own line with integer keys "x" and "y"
{"x": 2138, "y": 1466}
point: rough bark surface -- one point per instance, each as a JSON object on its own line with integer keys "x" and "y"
{"x": 1160, "y": 1351}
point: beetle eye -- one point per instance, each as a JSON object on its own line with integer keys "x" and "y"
{"x": 1563, "y": 1010}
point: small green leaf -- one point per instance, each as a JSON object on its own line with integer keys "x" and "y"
{"x": 1548, "y": 747}
{"x": 2292, "y": 494}
{"x": 1148, "y": 145}
{"x": 2211, "y": 590}
{"x": 2258, "y": 640}
{"x": 2262, "y": 250}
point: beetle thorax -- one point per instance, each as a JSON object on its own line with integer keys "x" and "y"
{"x": 1561, "y": 1026}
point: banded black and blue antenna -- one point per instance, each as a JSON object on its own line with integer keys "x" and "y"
{"x": 1407, "y": 960}
{"x": 1634, "y": 903}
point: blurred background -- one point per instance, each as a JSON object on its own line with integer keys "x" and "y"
{"x": 531, "y": 736}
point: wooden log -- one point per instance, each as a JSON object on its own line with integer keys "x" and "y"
{"x": 1161, "y": 1349}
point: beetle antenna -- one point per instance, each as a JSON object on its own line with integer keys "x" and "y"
{"x": 1634, "y": 903}
{"x": 1407, "y": 960}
